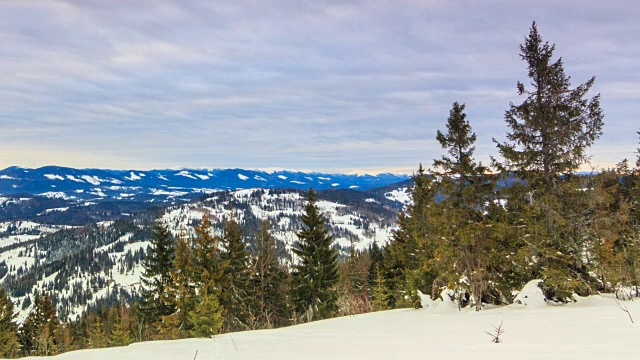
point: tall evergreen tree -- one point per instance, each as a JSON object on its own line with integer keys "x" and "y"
{"x": 182, "y": 291}
{"x": 97, "y": 336}
{"x": 207, "y": 262}
{"x": 37, "y": 331}
{"x": 549, "y": 134}
{"x": 207, "y": 273}
{"x": 268, "y": 282}
{"x": 315, "y": 273}
{"x": 9, "y": 345}
{"x": 464, "y": 228}
{"x": 208, "y": 315}
{"x": 156, "y": 279}
{"x": 555, "y": 124}
{"x": 407, "y": 257}
{"x": 235, "y": 285}
{"x": 120, "y": 332}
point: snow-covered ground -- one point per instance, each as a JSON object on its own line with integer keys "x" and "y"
{"x": 592, "y": 328}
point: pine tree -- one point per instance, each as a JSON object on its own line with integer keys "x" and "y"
{"x": 120, "y": 333}
{"x": 268, "y": 282}
{"x": 464, "y": 225}
{"x": 379, "y": 291}
{"x": 156, "y": 278}
{"x": 97, "y": 336}
{"x": 37, "y": 332}
{"x": 315, "y": 273}
{"x": 555, "y": 124}
{"x": 207, "y": 263}
{"x": 235, "y": 284}
{"x": 407, "y": 258}
{"x": 9, "y": 345}
{"x": 208, "y": 316}
{"x": 550, "y": 132}
{"x": 182, "y": 290}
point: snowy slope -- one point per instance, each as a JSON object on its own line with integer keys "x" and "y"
{"x": 283, "y": 210}
{"x": 106, "y": 263}
{"x": 593, "y": 328}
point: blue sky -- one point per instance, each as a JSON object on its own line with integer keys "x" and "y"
{"x": 336, "y": 86}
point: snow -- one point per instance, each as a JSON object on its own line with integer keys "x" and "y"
{"x": 400, "y": 195}
{"x": 259, "y": 178}
{"x": 133, "y": 176}
{"x": 531, "y": 295}
{"x": 93, "y": 180}
{"x": 282, "y": 177}
{"x": 73, "y": 178}
{"x": 242, "y": 177}
{"x": 186, "y": 174}
{"x": 47, "y": 211}
{"x": 335, "y": 184}
{"x": 7, "y": 177}
{"x": 203, "y": 177}
{"x": 593, "y": 328}
{"x": 57, "y": 194}
{"x": 297, "y": 182}
{"x": 53, "y": 177}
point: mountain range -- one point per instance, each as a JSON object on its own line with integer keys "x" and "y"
{"x": 170, "y": 185}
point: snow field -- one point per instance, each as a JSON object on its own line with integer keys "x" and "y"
{"x": 592, "y": 328}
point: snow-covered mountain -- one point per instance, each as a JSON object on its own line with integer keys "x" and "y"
{"x": 83, "y": 265}
{"x": 170, "y": 185}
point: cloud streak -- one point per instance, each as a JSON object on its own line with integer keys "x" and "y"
{"x": 290, "y": 84}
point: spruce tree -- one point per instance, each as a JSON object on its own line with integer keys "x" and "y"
{"x": 549, "y": 135}
{"x": 407, "y": 257}
{"x": 315, "y": 272}
{"x": 268, "y": 282}
{"x": 37, "y": 332}
{"x": 97, "y": 336}
{"x": 182, "y": 290}
{"x": 235, "y": 284}
{"x": 207, "y": 265}
{"x": 156, "y": 279}
{"x": 9, "y": 345}
{"x": 208, "y": 315}
{"x": 464, "y": 226}
{"x": 553, "y": 127}
{"x": 120, "y": 333}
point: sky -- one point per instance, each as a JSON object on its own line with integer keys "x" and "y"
{"x": 331, "y": 86}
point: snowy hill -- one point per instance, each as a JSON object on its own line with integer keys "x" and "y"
{"x": 170, "y": 185}
{"x": 100, "y": 262}
{"x": 592, "y": 328}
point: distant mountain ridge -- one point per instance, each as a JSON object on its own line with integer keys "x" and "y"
{"x": 160, "y": 185}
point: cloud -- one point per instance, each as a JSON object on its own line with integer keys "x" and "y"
{"x": 289, "y": 84}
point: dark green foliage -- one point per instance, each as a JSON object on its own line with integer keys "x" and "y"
{"x": 555, "y": 124}
{"x": 9, "y": 345}
{"x": 155, "y": 300}
{"x": 120, "y": 332}
{"x": 207, "y": 317}
{"x": 549, "y": 134}
{"x": 97, "y": 336}
{"x": 268, "y": 283}
{"x": 316, "y": 272}
{"x": 236, "y": 277}
{"x": 37, "y": 331}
